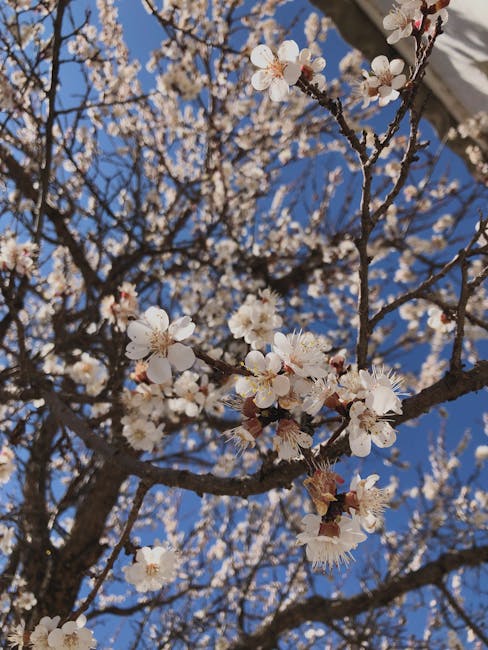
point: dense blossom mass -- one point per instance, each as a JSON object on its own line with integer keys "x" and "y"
{"x": 217, "y": 306}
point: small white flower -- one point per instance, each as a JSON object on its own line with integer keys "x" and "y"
{"x": 440, "y": 321}
{"x": 153, "y": 568}
{"x": 7, "y": 465}
{"x": 72, "y": 636}
{"x": 265, "y": 383}
{"x": 322, "y": 389}
{"x": 153, "y": 336}
{"x": 289, "y": 438}
{"x": 278, "y": 72}
{"x": 17, "y": 638}
{"x": 142, "y": 434}
{"x": 387, "y": 78}
{"x": 7, "y": 536}
{"x": 311, "y": 69}
{"x": 256, "y": 320}
{"x": 366, "y": 427}
{"x": 329, "y": 544}
{"x": 367, "y": 501}
{"x": 301, "y": 353}
{"x": 481, "y": 453}
{"x": 381, "y": 390}
{"x": 39, "y": 636}
{"x": 17, "y": 257}
{"x": 401, "y": 21}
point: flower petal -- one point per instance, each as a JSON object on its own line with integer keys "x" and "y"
{"x": 360, "y": 443}
{"x": 139, "y": 332}
{"x": 255, "y": 362}
{"x": 261, "y": 80}
{"x": 136, "y": 351}
{"x": 181, "y": 328}
{"x": 278, "y": 90}
{"x": 157, "y": 318}
{"x": 281, "y": 385}
{"x": 292, "y": 73}
{"x": 288, "y": 51}
{"x": 262, "y": 56}
{"x": 158, "y": 369}
{"x": 181, "y": 356}
{"x": 380, "y": 65}
{"x": 396, "y": 66}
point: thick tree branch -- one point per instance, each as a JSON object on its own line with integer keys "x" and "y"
{"x": 324, "y": 610}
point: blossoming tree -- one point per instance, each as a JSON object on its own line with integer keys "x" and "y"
{"x": 229, "y": 287}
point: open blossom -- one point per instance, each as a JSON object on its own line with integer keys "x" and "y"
{"x": 39, "y": 636}
{"x": 366, "y": 427}
{"x": 329, "y": 543}
{"x": 367, "y": 501}
{"x": 387, "y": 79}
{"x": 153, "y": 568}
{"x": 278, "y": 72}
{"x": 320, "y": 392}
{"x": 72, "y": 636}
{"x": 301, "y": 353}
{"x": 322, "y": 487}
{"x": 7, "y": 538}
{"x": 265, "y": 383}
{"x": 118, "y": 309}
{"x": 381, "y": 396}
{"x": 289, "y": 438}
{"x": 142, "y": 434}
{"x": 311, "y": 69}
{"x": 90, "y": 372}
{"x": 17, "y": 257}
{"x": 153, "y": 336}
{"x": 401, "y": 20}
{"x": 245, "y": 434}
{"x": 256, "y": 320}
{"x": 440, "y": 321}
{"x": 6, "y": 464}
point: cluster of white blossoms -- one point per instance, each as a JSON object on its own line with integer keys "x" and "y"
{"x": 277, "y": 72}
{"x": 336, "y": 529}
{"x": 7, "y": 465}
{"x": 281, "y": 70}
{"x": 410, "y": 15}
{"x": 48, "y": 636}
{"x": 296, "y": 377}
{"x": 17, "y": 257}
{"x": 117, "y": 310}
{"x": 256, "y": 319}
{"x": 153, "y": 567}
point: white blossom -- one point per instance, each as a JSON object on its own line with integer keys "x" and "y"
{"x": 302, "y": 354}
{"x": 39, "y": 636}
{"x": 366, "y": 427}
{"x": 289, "y": 438}
{"x": 153, "y": 567}
{"x": 7, "y": 466}
{"x": 153, "y": 336}
{"x": 72, "y": 636}
{"x": 265, "y": 382}
{"x": 142, "y": 434}
{"x": 329, "y": 544}
{"x": 278, "y": 72}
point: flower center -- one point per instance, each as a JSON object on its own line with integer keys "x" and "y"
{"x": 152, "y": 569}
{"x": 71, "y": 640}
{"x": 160, "y": 342}
{"x": 277, "y": 68}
